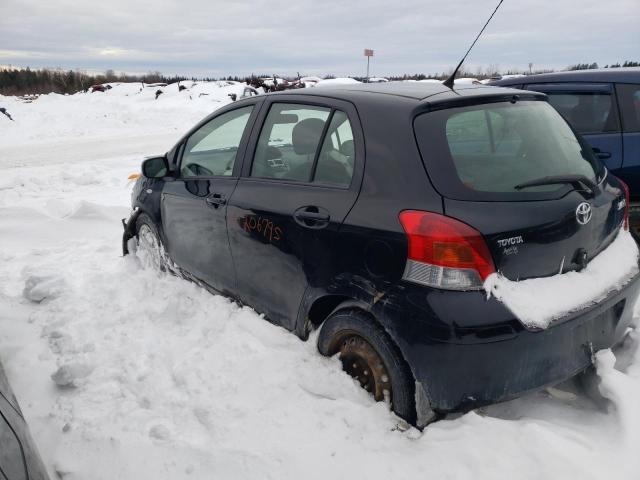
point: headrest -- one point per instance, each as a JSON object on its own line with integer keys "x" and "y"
{"x": 306, "y": 135}
{"x": 348, "y": 148}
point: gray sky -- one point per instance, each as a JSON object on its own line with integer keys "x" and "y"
{"x": 221, "y": 37}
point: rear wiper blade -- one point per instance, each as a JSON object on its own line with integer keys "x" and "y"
{"x": 580, "y": 182}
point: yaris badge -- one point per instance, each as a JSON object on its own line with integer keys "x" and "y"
{"x": 583, "y": 213}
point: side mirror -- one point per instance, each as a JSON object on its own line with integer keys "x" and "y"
{"x": 155, "y": 167}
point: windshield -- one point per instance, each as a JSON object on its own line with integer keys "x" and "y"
{"x": 486, "y": 151}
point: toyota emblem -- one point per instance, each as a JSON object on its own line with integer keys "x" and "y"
{"x": 583, "y": 213}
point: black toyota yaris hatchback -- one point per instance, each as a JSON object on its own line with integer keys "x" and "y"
{"x": 376, "y": 213}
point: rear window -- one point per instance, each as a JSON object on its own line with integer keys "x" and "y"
{"x": 483, "y": 152}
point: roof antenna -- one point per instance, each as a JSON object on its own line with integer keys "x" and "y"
{"x": 449, "y": 81}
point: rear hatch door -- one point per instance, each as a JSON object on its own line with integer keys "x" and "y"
{"x": 482, "y": 158}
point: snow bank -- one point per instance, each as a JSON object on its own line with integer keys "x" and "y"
{"x": 539, "y": 301}
{"x": 40, "y": 287}
{"x": 620, "y": 384}
{"x": 466, "y": 81}
{"x": 126, "y": 108}
{"x": 310, "y": 79}
{"x": 332, "y": 82}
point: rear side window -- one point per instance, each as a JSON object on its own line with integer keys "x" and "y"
{"x": 305, "y": 143}
{"x": 336, "y": 159}
{"x": 486, "y": 152}
{"x": 629, "y": 96}
{"x": 587, "y": 112}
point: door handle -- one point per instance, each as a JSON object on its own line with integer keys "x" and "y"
{"x": 600, "y": 154}
{"x": 216, "y": 200}
{"x": 311, "y": 217}
{"x": 321, "y": 217}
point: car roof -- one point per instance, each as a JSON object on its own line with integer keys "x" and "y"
{"x": 416, "y": 91}
{"x": 621, "y": 75}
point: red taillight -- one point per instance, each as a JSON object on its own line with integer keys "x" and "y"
{"x": 444, "y": 252}
{"x": 627, "y": 202}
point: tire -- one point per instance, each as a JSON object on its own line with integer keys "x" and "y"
{"x": 361, "y": 344}
{"x": 149, "y": 248}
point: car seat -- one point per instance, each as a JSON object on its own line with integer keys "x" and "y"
{"x": 305, "y": 139}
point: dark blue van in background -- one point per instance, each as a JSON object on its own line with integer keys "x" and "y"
{"x": 604, "y": 106}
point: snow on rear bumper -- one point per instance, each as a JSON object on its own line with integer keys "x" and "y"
{"x": 540, "y": 302}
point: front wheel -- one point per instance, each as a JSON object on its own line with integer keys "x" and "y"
{"x": 149, "y": 248}
{"x": 370, "y": 356}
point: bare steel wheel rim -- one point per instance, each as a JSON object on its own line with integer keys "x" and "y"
{"x": 361, "y": 361}
{"x": 149, "y": 247}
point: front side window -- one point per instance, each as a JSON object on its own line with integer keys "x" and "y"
{"x": 587, "y": 112}
{"x": 489, "y": 151}
{"x": 629, "y": 96}
{"x": 212, "y": 149}
{"x": 292, "y": 147}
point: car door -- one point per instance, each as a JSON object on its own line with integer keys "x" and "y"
{"x": 19, "y": 459}
{"x": 591, "y": 109}
{"x": 629, "y": 101}
{"x": 299, "y": 181}
{"x": 194, "y": 205}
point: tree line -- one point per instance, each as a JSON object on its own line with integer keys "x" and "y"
{"x": 18, "y": 81}
{"x": 26, "y": 81}
{"x": 593, "y": 66}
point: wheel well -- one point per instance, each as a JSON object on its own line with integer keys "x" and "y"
{"x": 349, "y": 306}
{"x": 130, "y": 228}
{"x": 323, "y": 307}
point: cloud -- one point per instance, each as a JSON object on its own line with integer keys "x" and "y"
{"x": 221, "y": 37}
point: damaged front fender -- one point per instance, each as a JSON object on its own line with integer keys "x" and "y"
{"x": 129, "y": 225}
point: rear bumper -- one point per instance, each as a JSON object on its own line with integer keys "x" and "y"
{"x": 467, "y": 351}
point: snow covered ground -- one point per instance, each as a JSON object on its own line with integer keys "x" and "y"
{"x": 126, "y": 373}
